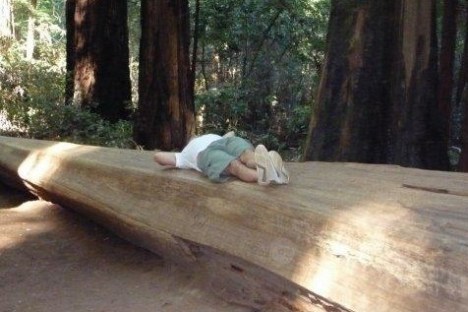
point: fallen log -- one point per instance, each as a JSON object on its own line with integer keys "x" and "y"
{"x": 339, "y": 237}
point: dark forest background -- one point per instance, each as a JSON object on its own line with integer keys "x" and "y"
{"x": 364, "y": 81}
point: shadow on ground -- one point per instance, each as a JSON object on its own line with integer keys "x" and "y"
{"x": 52, "y": 259}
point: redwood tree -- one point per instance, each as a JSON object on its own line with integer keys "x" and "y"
{"x": 416, "y": 132}
{"x": 165, "y": 115}
{"x": 30, "y": 38}
{"x": 463, "y": 164}
{"x": 446, "y": 61}
{"x": 462, "y": 99}
{"x": 351, "y": 104}
{"x": 98, "y": 57}
{"x": 377, "y": 100}
{"x": 6, "y": 19}
{"x": 70, "y": 48}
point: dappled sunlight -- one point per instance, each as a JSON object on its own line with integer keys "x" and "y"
{"x": 380, "y": 250}
{"x": 41, "y": 165}
{"x": 355, "y": 248}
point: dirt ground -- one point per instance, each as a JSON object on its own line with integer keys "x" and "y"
{"x": 52, "y": 259}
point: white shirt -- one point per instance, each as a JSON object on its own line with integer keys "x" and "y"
{"x": 187, "y": 159}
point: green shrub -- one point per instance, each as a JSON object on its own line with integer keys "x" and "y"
{"x": 220, "y": 110}
{"x": 223, "y": 110}
{"x": 32, "y": 101}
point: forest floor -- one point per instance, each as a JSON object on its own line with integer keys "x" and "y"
{"x": 52, "y": 259}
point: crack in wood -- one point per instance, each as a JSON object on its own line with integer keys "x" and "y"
{"x": 434, "y": 190}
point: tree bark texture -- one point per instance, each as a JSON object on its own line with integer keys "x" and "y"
{"x": 416, "y": 129}
{"x": 350, "y": 111}
{"x": 70, "y": 49}
{"x": 165, "y": 116}
{"x": 377, "y": 98}
{"x": 463, "y": 74}
{"x": 462, "y": 100}
{"x": 100, "y": 57}
{"x": 446, "y": 61}
{"x": 463, "y": 163}
{"x": 6, "y": 19}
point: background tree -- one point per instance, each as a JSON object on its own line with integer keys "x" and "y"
{"x": 462, "y": 98}
{"x": 165, "y": 114}
{"x": 351, "y": 107}
{"x": 446, "y": 61}
{"x": 6, "y": 19}
{"x": 30, "y": 40}
{"x": 417, "y": 133}
{"x": 70, "y": 49}
{"x": 258, "y": 67}
{"x": 377, "y": 102}
{"x": 99, "y": 57}
{"x": 463, "y": 164}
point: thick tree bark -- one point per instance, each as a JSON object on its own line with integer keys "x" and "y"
{"x": 416, "y": 129}
{"x": 377, "y": 96}
{"x": 70, "y": 48}
{"x": 463, "y": 164}
{"x": 100, "y": 57}
{"x": 6, "y": 19}
{"x": 446, "y": 62}
{"x": 165, "y": 116}
{"x": 349, "y": 118}
{"x": 196, "y": 37}
{"x": 462, "y": 100}
{"x": 463, "y": 73}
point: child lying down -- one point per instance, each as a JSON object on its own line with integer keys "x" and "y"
{"x": 221, "y": 157}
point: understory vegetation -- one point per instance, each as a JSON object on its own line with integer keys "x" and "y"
{"x": 257, "y": 68}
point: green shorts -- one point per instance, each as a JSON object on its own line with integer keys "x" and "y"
{"x": 214, "y": 160}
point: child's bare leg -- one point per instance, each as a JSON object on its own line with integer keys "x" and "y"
{"x": 248, "y": 159}
{"x": 238, "y": 169}
{"x": 165, "y": 159}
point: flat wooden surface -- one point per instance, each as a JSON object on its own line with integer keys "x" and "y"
{"x": 362, "y": 237}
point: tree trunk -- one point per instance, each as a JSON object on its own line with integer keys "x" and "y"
{"x": 348, "y": 123}
{"x": 463, "y": 74}
{"x": 446, "y": 62}
{"x": 100, "y": 57}
{"x": 463, "y": 163}
{"x": 341, "y": 237}
{"x": 196, "y": 37}
{"x": 377, "y": 96}
{"x": 462, "y": 100}
{"x": 165, "y": 116}
{"x": 70, "y": 48}
{"x": 30, "y": 40}
{"x": 416, "y": 129}
{"x": 6, "y": 19}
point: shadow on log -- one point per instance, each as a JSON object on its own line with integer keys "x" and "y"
{"x": 339, "y": 237}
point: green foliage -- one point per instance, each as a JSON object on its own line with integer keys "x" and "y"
{"x": 220, "y": 111}
{"x": 259, "y": 65}
{"x": 32, "y": 91}
{"x": 49, "y": 18}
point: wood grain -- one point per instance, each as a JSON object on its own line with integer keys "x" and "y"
{"x": 339, "y": 237}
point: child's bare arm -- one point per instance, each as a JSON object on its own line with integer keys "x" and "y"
{"x": 165, "y": 159}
